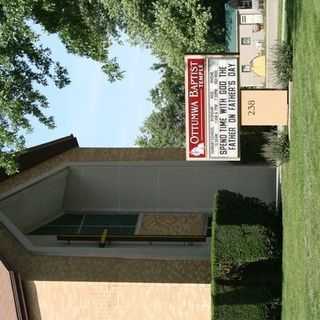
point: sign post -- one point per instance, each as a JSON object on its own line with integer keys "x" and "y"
{"x": 212, "y": 108}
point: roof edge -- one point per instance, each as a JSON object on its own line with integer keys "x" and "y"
{"x": 32, "y": 156}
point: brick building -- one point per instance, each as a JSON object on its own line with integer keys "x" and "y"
{"x": 66, "y": 200}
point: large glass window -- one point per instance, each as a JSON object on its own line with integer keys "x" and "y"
{"x": 90, "y": 224}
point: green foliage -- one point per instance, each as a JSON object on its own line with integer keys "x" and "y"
{"x": 86, "y": 28}
{"x": 276, "y": 149}
{"x": 244, "y": 229}
{"x": 25, "y": 65}
{"x": 300, "y": 184}
{"x": 246, "y": 302}
{"x": 261, "y": 272}
{"x": 241, "y": 243}
{"x": 170, "y": 28}
{"x": 241, "y": 303}
{"x": 246, "y": 276}
{"x": 283, "y": 62}
{"x": 240, "y": 312}
{"x": 165, "y": 127}
{"x": 235, "y": 209}
{"x": 251, "y": 141}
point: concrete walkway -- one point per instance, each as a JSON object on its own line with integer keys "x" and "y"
{"x": 272, "y": 18}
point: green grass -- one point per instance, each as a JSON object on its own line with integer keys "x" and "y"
{"x": 282, "y": 30}
{"x": 301, "y": 176}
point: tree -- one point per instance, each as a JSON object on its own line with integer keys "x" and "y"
{"x": 165, "y": 126}
{"x": 170, "y": 28}
{"x": 86, "y": 29}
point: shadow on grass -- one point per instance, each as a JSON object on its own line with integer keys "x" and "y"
{"x": 293, "y": 8}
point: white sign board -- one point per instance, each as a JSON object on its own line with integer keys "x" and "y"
{"x": 218, "y": 125}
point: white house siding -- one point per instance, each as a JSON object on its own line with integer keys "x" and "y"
{"x": 249, "y": 52}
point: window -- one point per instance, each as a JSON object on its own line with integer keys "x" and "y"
{"x": 209, "y": 227}
{"x": 246, "y": 41}
{"x": 246, "y": 4}
{"x": 251, "y": 18}
{"x": 90, "y": 224}
{"x": 246, "y": 68}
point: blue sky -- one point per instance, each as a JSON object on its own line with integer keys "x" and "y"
{"x": 98, "y": 113}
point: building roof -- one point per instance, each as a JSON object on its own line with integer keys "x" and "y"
{"x": 35, "y": 155}
{"x": 231, "y": 14}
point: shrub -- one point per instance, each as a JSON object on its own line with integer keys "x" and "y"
{"x": 251, "y": 142}
{"x": 236, "y": 244}
{"x": 240, "y": 312}
{"x": 235, "y": 209}
{"x": 242, "y": 303}
{"x": 283, "y": 62}
{"x": 276, "y": 149}
{"x": 247, "y": 280}
{"x": 261, "y": 272}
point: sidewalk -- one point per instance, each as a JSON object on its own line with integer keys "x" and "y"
{"x": 272, "y": 32}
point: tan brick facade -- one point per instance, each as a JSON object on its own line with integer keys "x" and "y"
{"x": 79, "y": 287}
{"x": 121, "y": 301}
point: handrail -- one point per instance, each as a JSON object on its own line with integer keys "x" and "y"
{"x": 148, "y": 238}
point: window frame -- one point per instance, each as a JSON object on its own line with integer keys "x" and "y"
{"x": 246, "y": 4}
{"x": 246, "y": 41}
{"x": 245, "y": 68}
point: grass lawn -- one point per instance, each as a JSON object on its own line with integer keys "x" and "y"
{"x": 282, "y": 30}
{"x": 301, "y": 176}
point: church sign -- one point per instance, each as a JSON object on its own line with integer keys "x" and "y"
{"x": 212, "y": 115}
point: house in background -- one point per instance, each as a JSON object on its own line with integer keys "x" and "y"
{"x": 245, "y": 34}
{"x": 100, "y": 233}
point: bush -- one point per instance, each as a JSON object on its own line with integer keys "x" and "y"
{"x": 240, "y": 312}
{"x": 251, "y": 141}
{"x": 236, "y": 244}
{"x": 276, "y": 149}
{"x": 235, "y": 209}
{"x": 283, "y": 62}
{"x": 247, "y": 280}
{"x": 262, "y": 272}
{"x": 242, "y": 303}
